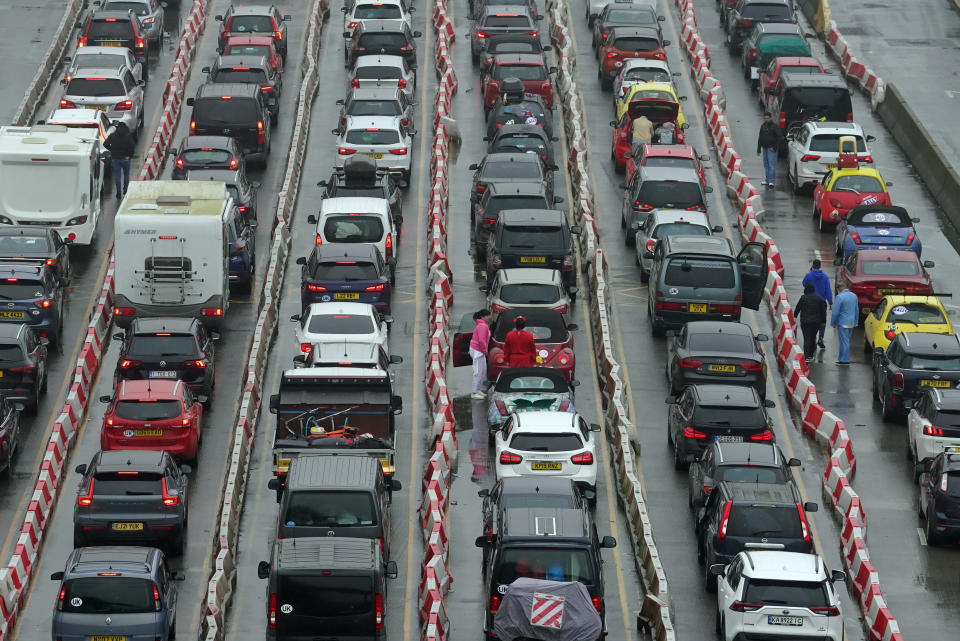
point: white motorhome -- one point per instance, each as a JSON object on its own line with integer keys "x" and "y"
{"x": 171, "y": 252}
{"x": 51, "y": 176}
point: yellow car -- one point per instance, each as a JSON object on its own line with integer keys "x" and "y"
{"x": 662, "y": 90}
{"x": 895, "y": 314}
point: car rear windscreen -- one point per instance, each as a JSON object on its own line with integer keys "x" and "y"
{"x": 831, "y": 102}
{"x": 530, "y": 237}
{"x": 373, "y": 137}
{"x": 147, "y": 410}
{"x": 381, "y": 40}
{"x": 248, "y": 50}
{"x": 514, "y": 47}
{"x": 932, "y": 362}
{"x": 525, "y": 144}
{"x": 748, "y": 474}
{"x": 766, "y": 521}
{"x": 377, "y": 10}
{"x": 859, "y": 184}
{"x": 953, "y": 484}
{"x": 633, "y": 43}
{"x": 326, "y": 595}
{"x": 217, "y": 111}
{"x": 916, "y": 313}
{"x": 797, "y": 594}
{"x": 669, "y": 161}
{"x": 340, "y": 324}
{"x": 111, "y": 595}
{"x": 116, "y": 30}
{"x": 672, "y": 194}
{"x": 352, "y": 229}
{"x": 21, "y": 290}
{"x": 889, "y": 268}
{"x": 545, "y": 384}
{"x": 149, "y": 346}
{"x": 10, "y": 353}
{"x": 136, "y": 484}
{"x": 545, "y": 442}
{"x": 100, "y": 60}
{"x": 717, "y": 342}
{"x": 337, "y": 508}
{"x": 547, "y": 562}
{"x": 250, "y": 24}
{"x": 679, "y": 229}
{"x": 947, "y": 419}
{"x": 734, "y": 417}
{"x": 139, "y": 8}
{"x": 511, "y": 169}
{"x": 631, "y": 17}
{"x": 241, "y": 74}
{"x": 17, "y": 245}
{"x": 640, "y": 74}
{"x": 831, "y": 142}
{"x": 207, "y": 157}
{"x": 374, "y": 72}
{"x": 346, "y": 271}
{"x": 95, "y": 87}
{"x": 700, "y": 272}
{"x": 501, "y": 203}
{"x": 374, "y": 108}
{"x": 520, "y": 72}
{"x": 506, "y": 21}
{"x": 767, "y": 12}
{"x": 530, "y": 294}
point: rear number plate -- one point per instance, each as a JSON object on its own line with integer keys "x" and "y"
{"x": 884, "y": 292}
{"x": 153, "y": 432}
{"x": 546, "y": 465}
{"x": 375, "y": 156}
{"x": 162, "y": 374}
{"x": 778, "y": 620}
{"x": 109, "y": 43}
{"x": 729, "y": 439}
{"x": 97, "y": 107}
{"x": 539, "y": 260}
{"x": 722, "y": 368}
{"x": 103, "y": 637}
{"x": 17, "y": 315}
{"x": 931, "y": 383}
{"x": 347, "y": 296}
{"x": 699, "y": 308}
{"x": 127, "y": 526}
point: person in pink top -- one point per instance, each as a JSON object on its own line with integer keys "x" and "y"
{"x": 479, "y": 345}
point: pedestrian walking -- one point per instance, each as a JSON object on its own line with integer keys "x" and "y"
{"x": 519, "y": 346}
{"x": 479, "y": 345}
{"x": 768, "y": 143}
{"x": 121, "y": 147}
{"x": 846, "y": 316}
{"x": 811, "y": 311}
{"x": 821, "y": 285}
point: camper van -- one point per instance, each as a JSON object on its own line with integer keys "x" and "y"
{"x": 171, "y": 251}
{"x": 51, "y": 176}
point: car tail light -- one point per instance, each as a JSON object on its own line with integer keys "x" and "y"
{"x": 917, "y": 289}
{"x": 83, "y": 42}
{"x": 496, "y": 309}
{"x": 782, "y": 121}
{"x": 849, "y": 116}
{"x": 405, "y": 122}
{"x": 753, "y": 54}
{"x": 584, "y": 458}
{"x": 604, "y": 35}
{"x": 140, "y": 44}
{"x": 168, "y": 499}
{"x": 692, "y": 432}
{"x": 898, "y": 381}
{"x": 660, "y": 56}
{"x": 494, "y": 604}
{"x": 406, "y": 48}
{"x": 943, "y": 482}
{"x": 179, "y": 163}
{"x": 211, "y": 311}
{"x": 375, "y": 288}
{"x": 199, "y": 363}
{"x": 744, "y": 23}
{"x": 827, "y": 611}
{"x": 765, "y": 435}
{"x": 127, "y": 363}
{"x": 641, "y": 207}
{"x": 688, "y": 363}
{"x": 343, "y": 151}
{"x": 490, "y": 221}
{"x": 378, "y": 611}
{"x": 856, "y": 237}
{"x": 751, "y": 366}
{"x": 479, "y": 189}
{"x": 388, "y": 245}
{"x": 272, "y": 612}
{"x": 568, "y": 262}
{"x": 67, "y": 104}
{"x": 565, "y": 357}
{"x": 482, "y": 34}
{"x": 124, "y": 311}
{"x": 725, "y": 309}
{"x": 597, "y": 604}
{"x": 260, "y": 135}
{"x": 306, "y": 348}
{"x": 63, "y": 593}
{"x": 399, "y": 151}
{"x": 278, "y": 35}
{"x": 724, "y": 521}
{"x": 352, "y": 25}
{"x": 501, "y": 407}
{"x": 44, "y": 304}
{"x": 669, "y": 306}
{"x": 496, "y": 262}
{"x": 910, "y": 239}
{"x": 809, "y": 157}
{"x": 156, "y": 599}
{"x": 890, "y": 333}
{"x": 86, "y": 499}
{"x": 564, "y": 406}
{"x": 650, "y": 245}
{"x": 803, "y": 524}
{"x": 498, "y": 357}
{"x": 611, "y": 54}
{"x": 50, "y": 262}
{"x": 930, "y": 430}
{"x": 561, "y": 308}
{"x": 193, "y": 125}
{"x": 740, "y": 606}
{"x": 318, "y": 240}
{"x": 185, "y": 422}
{"x": 125, "y": 105}
{"x": 233, "y": 163}
{"x": 402, "y": 83}
{"x": 865, "y": 158}
{"x": 355, "y": 83}
{"x": 510, "y": 458}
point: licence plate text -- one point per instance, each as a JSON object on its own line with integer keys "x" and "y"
{"x": 884, "y": 292}
{"x": 153, "y": 432}
{"x": 97, "y": 107}
{"x": 727, "y": 438}
{"x": 127, "y": 526}
{"x": 533, "y": 259}
{"x": 722, "y": 368}
{"x": 699, "y": 308}
{"x": 375, "y": 156}
{"x": 104, "y": 637}
{"x": 19, "y": 315}
{"x": 347, "y": 296}
{"x": 931, "y": 383}
{"x": 109, "y": 43}
{"x": 546, "y": 465}
{"x": 162, "y": 374}
{"x": 779, "y": 620}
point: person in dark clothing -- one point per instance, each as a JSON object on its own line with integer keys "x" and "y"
{"x": 821, "y": 284}
{"x": 768, "y": 143}
{"x": 811, "y": 312}
{"x": 120, "y": 144}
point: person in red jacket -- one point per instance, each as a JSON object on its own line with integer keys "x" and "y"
{"x": 519, "y": 346}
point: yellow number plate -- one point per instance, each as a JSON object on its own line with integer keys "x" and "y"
{"x": 127, "y": 526}
{"x": 104, "y": 637}
{"x": 546, "y": 465}
{"x": 347, "y": 296}
{"x": 153, "y": 432}
{"x": 1, "y": 373}
{"x": 16, "y": 315}
{"x": 700, "y": 308}
{"x": 97, "y": 107}
{"x": 110, "y": 43}
{"x": 540, "y": 260}
{"x": 931, "y": 383}
{"x": 722, "y": 368}
{"x": 884, "y": 292}
{"x": 376, "y": 156}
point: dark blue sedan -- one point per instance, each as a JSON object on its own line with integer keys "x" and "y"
{"x": 354, "y": 272}
{"x": 877, "y": 227}
{"x": 32, "y": 295}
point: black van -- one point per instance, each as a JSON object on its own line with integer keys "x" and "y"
{"x": 801, "y": 96}
{"x": 330, "y": 586}
{"x": 237, "y": 110}
{"x": 333, "y": 494}
{"x": 559, "y": 544}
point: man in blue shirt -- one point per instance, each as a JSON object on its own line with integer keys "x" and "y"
{"x": 846, "y": 316}
{"x": 821, "y": 286}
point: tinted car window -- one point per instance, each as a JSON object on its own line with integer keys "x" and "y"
{"x": 501, "y": 203}
{"x": 636, "y": 44}
{"x": 529, "y": 294}
{"x": 10, "y": 353}
{"x": 513, "y": 47}
{"x": 214, "y": 111}
{"x": 495, "y": 170}
{"x": 108, "y": 595}
{"x": 207, "y": 156}
{"x": 343, "y": 595}
{"x": 860, "y": 184}
{"x": 506, "y": 21}
{"x": 820, "y": 97}
{"x": 353, "y": 229}
{"x": 330, "y": 509}
{"x": 340, "y": 324}
{"x": 889, "y": 268}
{"x": 373, "y": 137}
{"x": 541, "y": 333}
{"x": 560, "y": 564}
{"x": 707, "y": 416}
{"x": 346, "y": 271}
{"x": 24, "y": 244}
{"x": 103, "y": 30}
{"x": 831, "y": 142}
{"x": 521, "y": 72}
{"x": 916, "y": 313}
{"x": 763, "y": 520}
{"x": 532, "y": 237}
{"x": 545, "y": 442}
{"x": 255, "y": 24}
{"x": 379, "y": 10}
{"x": 147, "y": 410}
{"x": 662, "y": 192}
{"x": 626, "y": 16}
{"x": 540, "y": 500}
{"x": 248, "y": 50}
{"x": 647, "y": 75}
{"x": 931, "y": 362}
{"x": 138, "y": 8}
{"x": 794, "y": 593}
{"x": 947, "y": 418}
{"x": 255, "y": 76}
{"x": 749, "y": 474}
{"x": 22, "y": 289}
{"x": 682, "y": 229}
{"x": 100, "y": 60}
{"x": 700, "y": 272}
{"x": 669, "y": 161}
{"x": 767, "y": 12}
{"x": 94, "y": 88}
{"x": 721, "y": 342}
{"x": 146, "y": 346}
{"x": 523, "y": 143}
{"x": 113, "y": 484}
{"x": 373, "y": 72}
{"x": 382, "y": 40}
{"x": 531, "y": 384}
{"x": 374, "y": 108}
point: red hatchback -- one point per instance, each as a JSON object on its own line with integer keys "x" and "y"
{"x": 255, "y": 46}
{"x": 872, "y": 274}
{"x": 625, "y": 43}
{"x": 658, "y": 110}
{"x": 529, "y": 68}
{"x": 680, "y": 156}
{"x": 153, "y": 415}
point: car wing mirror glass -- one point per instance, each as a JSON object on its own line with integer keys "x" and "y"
{"x": 608, "y": 542}
{"x": 391, "y": 570}
{"x": 810, "y": 506}
{"x": 717, "y": 569}
{"x": 794, "y": 462}
{"x": 263, "y": 570}
{"x": 81, "y": 469}
{"x": 106, "y": 399}
{"x": 56, "y": 576}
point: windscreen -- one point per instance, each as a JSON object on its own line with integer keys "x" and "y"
{"x": 248, "y": 50}
{"x": 530, "y": 294}
{"x": 321, "y": 596}
{"x": 521, "y": 46}
{"x": 634, "y": 43}
{"x": 948, "y": 419}
{"x": 529, "y": 383}
{"x": 374, "y": 72}
{"x": 373, "y": 137}
{"x": 25, "y": 244}
{"x": 549, "y": 562}
{"x": 214, "y": 111}
{"x": 20, "y": 290}
{"x": 520, "y": 72}
{"x": 374, "y": 108}
{"x": 100, "y": 60}
{"x": 547, "y": 500}
{"x": 858, "y": 184}
{"x": 241, "y": 74}
{"x": 631, "y": 17}
{"x": 339, "y": 508}
{"x": 340, "y": 324}
{"x": 377, "y": 10}
{"x": 507, "y": 169}
{"x": 207, "y": 157}
{"x": 932, "y": 362}
{"x": 831, "y": 142}
{"x": 831, "y": 101}
{"x": 953, "y": 484}
{"x": 669, "y": 161}
{"x": 382, "y": 40}
{"x": 641, "y": 74}
{"x": 724, "y": 416}
{"x": 527, "y": 237}
{"x": 150, "y": 347}
{"x": 108, "y": 595}
{"x": 767, "y": 12}
{"x": 889, "y": 268}
{"x": 717, "y": 342}
{"x": 346, "y": 271}
{"x": 147, "y": 410}
{"x": 139, "y": 8}
{"x": 749, "y": 474}
{"x": 118, "y": 29}
{"x": 679, "y": 229}
{"x": 10, "y": 354}
{"x": 352, "y": 229}
{"x": 765, "y": 521}
{"x": 501, "y": 203}
{"x": 95, "y": 87}
{"x": 545, "y": 442}
{"x": 520, "y": 143}
{"x": 137, "y": 484}
{"x": 700, "y": 272}
{"x": 251, "y": 24}
{"x": 916, "y": 313}
{"x": 506, "y": 21}
{"x": 671, "y": 193}
{"x": 798, "y": 594}
{"x": 543, "y": 330}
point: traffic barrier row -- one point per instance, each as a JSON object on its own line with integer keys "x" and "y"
{"x": 435, "y": 577}
{"x": 222, "y": 581}
{"x": 867, "y": 79}
{"x": 655, "y": 610}
{"x": 816, "y": 421}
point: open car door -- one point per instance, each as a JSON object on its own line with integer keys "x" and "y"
{"x": 461, "y": 342}
{"x": 752, "y": 263}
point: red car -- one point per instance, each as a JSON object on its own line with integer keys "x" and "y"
{"x": 153, "y": 414}
{"x": 624, "y": 43}
{"x": 770, "y": 75}
{"x": 658, "y": 110}
{"x": 550, "y": 331}
{"x": 872, "y": 274}
{"x": 244, "y": 20}
{"x": 255, "y": 46}
{"x": 529, "y": 68}
{"x": 683, "y": 156}
{"x": 847, "y": 185}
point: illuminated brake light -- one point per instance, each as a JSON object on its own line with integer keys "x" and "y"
{"x": 782, "y": 120}
{"x": 930, "y": 430}
{"x": 67, "y": 104}
{"x": 400, "y": 151}
{"x": 168, "y": 499}
{"x": 692, "y": 432}
{"x": 316, "y": 288}
{"x": 140, "y": 43}
{"x": 260, "y": 134}
{"x": 809, "y": 157}
{"x": 388, "y": 244}
{"x": 211, "y": 311}
{"x": 378, "y": 611}
{"x": 266, "y": 89}
{"x": 233, "y": 163}
{"x": 722, "y": 532}
{"x": 482, "y": 34}
{"x": 494, "y": 604}
{"x": 306, "y": 348}
{"x": 352, "y": 25}
{"x": 740, "y": 606}
{"x": 597, "y": 604}
{"x": 179, "y": 163}
{"x": 584, "y": 458}
{"x": 83, "y": 42}
{"x": 44, "y": 304}
{"x": 156, "y": 599}
{"x": 344, "y": 151}
{"x": 803, "y": 523}
{"x": 375, "y": 288}
{"x": 86, "y": 499}
{"x": 510, "y": 458}
{"x": 193, "y": 125}
{"x": 272, "y": 616}
{"x": 689, "y": 363}
{"x": 890, "y": 333}
{"x": 765, "y": 435}
{"x": 124, "y": 311}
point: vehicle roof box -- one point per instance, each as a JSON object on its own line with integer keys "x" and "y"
{"x": 360, "y": 171}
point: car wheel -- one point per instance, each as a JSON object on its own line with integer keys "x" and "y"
{"x": 678, "y": 462}
{"x": 709, "y": 581}
{"x": 43, "y": 386}
{"x": 866, "y": 346}
{"x": 8, "y": 470}
{"x": 933, "y": 537}
{"x": 644, "y": 274}
{"x": 822, "y": 225}
{"x": 173, "y": 630}
{"x": 908, "y": 452}
{"x": 794, "y": 182}
{"x": 719, "y": 623}
{"x": 886, "y": 408}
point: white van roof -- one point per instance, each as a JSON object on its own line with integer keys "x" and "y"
{"x": 200, "y": 197}
{"x": 355, "y": 204}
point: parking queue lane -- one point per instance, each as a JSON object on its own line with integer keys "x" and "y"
{"x": 206, "y": 479}
{"x": 89, "y": 266}
{"x": 919, "y": 582}
{"x": 642, "y": 356}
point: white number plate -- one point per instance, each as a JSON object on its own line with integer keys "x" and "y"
{"x": 162, "y": 374}
{"x": 729, "y": 439}
{"x": 778, "y": 620}
{"x": 754, "y": 73}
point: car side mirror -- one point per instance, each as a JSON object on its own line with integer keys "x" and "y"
{"x": 914, "y": 220}
{"x": 300, "y": 359}
{"x": 769, "y": 404}
{"x": 81, "y": 469}
{"x": 717, "y": 229}
{"x": 762, "y": 338}
{"x": 106, "y": 398}
{"x": 287, "y": 18}
{"x": 480, "y": 542}
{"x": 708, "y": 190}
{"x": 685, "y": 126}
{"x": 888, "y": 183}
{"x": 302, "y": 261}
{"x": 340, "y": 102}
{"x": 573, "y": 290}
{"x": 388, "y": 319}
{"x": 810, "y": 506}
{"x": 263, "y": 570}
{"x": 594, "y": 427}
{"x": 178, "y": 576}
{"x": 274, "y": 484}
{"x": 214, "y": 336}
{"x": 539, "y": 16}
{"x": 190, "y": 102}
{"x": 484, "y": 493}
{"x": 590, "y": 495}
{"x": 396, "y": 404}
{"x": 928, "y": 264}
{"x": 395, "y": 485}
{"x": 608, "y": 542}
{"x": 613, "y": 123}
{"x": 661, "y": 19}
{"x": 204, "y": 69}
{"x": 552, "y": 70}
{"x": 391, "y": 570}
{"x": 920, "y": 468}
{"x": 56, "y": 576}
{"x": 335, "y": 131}
{"x": 572, "y": 327}
{"x": 311, "y": 219}
{"x": 557, "y": 200}
{"x": 44, "y": 341}
{"x": 18, "y": 406}
{"x": 635, "y": 226}
{"x": 474, "y": 167}
{"x": 794, "y": 462}
{"x": 576, "y": 230}
{"x": 185, "y": 469}
{"x": 670, "y": 400}
{"x": 717, "y": 569}
{"x": 838, "y": 260}
{"x": 218, "y": 18}
{"x": 417, "y": 34}
{"x": 838, "y": 576}
{"x": 274, "y": 403}
{"x": 295, "y": 318}
{"x": 395, "y": 359}
{"x": 118, "y": 336}
{"x": 574, "y": 383}
{"x": 484, "y": 289}
{"x": 322, "y": 184}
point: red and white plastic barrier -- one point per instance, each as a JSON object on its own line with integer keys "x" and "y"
{"x": 870, "y": 83}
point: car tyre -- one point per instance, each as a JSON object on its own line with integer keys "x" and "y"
{"x": 719, "y": 624}
{"x": 644, "y": 274}
{"x": 934, "y": 538}
{"x": 794, "y": 182}
{"x": 678, "y": 462}
{"x": 709, "y": 581}
{"x": 886, "y": 410}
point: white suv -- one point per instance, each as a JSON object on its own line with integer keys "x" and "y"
{"x": 357, "y": 219}
{"x": 112, "y": 91}
{"x": 354, "y": 322}
{"x": 384, "y": 138}
{"x": 381, "y": 70}
{"x": 777, "y": 595}
{"x": 816, "y": 145}
{"x": 933, "y": 425}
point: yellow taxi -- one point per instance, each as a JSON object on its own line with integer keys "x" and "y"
{"x": 899, "y": 313}
{"x": 657, "y": 90}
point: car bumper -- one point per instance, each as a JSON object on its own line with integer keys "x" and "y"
{"x": 771, "y": 632}
{"x": 192, "y": 310}
{"x": 184, "y": 445}
{"x": 585, "y": 479}
{"x": 100, "y": 531}
{"x": 927, "y": 448}
{"x": 380, "y": 300}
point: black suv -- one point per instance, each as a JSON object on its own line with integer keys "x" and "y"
{"x": 529, "y": 492}
{"x": 738, "y": 516}
{"x": 740, "y": 20}
{"x": 249, "y": 70}
{"x": 346, "y": 271}
{"x": 532, "y": 238}
{"x": 243, "y": 190}
{"x": 940, "y": 497}
{"x": 23, "y": 364}
{"x": 745, "y": 462}
{"x": 132, "y": 497}
{"x": 498, "y": 197}
{"x": 116, "y": 29}
{"x": 36, "y": 245}
{"x": 388, "y": 37}
{"x": 505, "y": 168}
{"x": 33, "y": 296}
{"x": 799, "y": 96}
{"x": 168, "y": 348}
{"x": 559, "y": 544}
{"x": 359, "y": 176}
{"x": 912, "y": 362}
{"x": 707, "y": 412}
{"x": 236, "y": 110}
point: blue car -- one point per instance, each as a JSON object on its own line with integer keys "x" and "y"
{"x": 32, "y": 295}
{"x": 355, "y": 272}
{"x": 243, "y": 253}
{"x": 876, "y": 227}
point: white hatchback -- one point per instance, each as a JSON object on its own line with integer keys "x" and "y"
{"x": 359, "y": 10}
{"x": 381, "y": 70}
{"x": 353, "y": 322}
{"x": 933, "y": 424}
{"x": 112, "y": 91}
{"x": 817, "y": 144}
{"x": 639, "y": 70}
{"x": 548, "y": 444}
{"x": 384, "y": 138}
{"x": 357, "y": 219}
{"x": 103, "y": 58}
